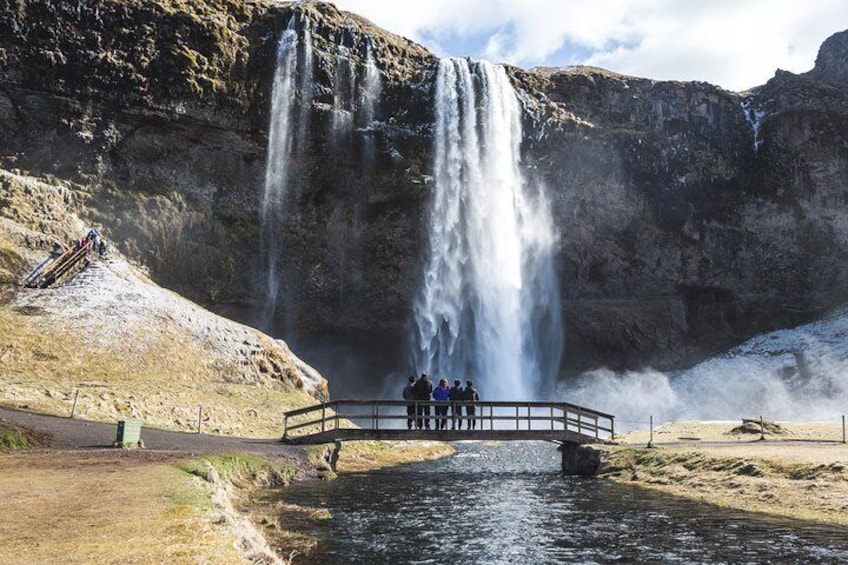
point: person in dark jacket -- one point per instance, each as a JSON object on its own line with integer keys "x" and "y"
{"x": 456, "y": 395}
{"x": 421, "y": 390}
{"x": 441, "y": 394}
{"x": 409, "y": 394}
{"x": 470, "y": 394}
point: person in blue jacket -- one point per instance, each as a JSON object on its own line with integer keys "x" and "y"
{"x": 441, "y": 394}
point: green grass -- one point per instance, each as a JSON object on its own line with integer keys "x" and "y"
{"x": 243, "y": 469}
{"x": 13, "y": 439}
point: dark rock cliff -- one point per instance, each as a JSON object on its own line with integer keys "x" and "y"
{"x": 690, "y": 217}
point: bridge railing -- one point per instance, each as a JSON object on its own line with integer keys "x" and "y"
{"x": 492, "y": 415}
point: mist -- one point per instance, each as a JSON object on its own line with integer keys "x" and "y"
{"x": 794, "y": 374}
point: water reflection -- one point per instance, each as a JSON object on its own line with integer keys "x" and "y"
{"x": 509, "y": 503}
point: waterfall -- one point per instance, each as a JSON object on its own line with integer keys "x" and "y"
{"x": 369, "y": 106}
{"x": 286, "y": 138}
{"x": 344, "y": 88}
{"x": 372, "y": 89}
{"x": 489, "y": 305}
{"x": 754, "y": 117}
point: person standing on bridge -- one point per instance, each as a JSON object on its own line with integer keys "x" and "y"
{"x": 441, "y": 394}
{"x": 470, "y": 394}
{"x": 422, "y": 390}
{"x": 456, "y": 395}
{"x": 409, "y": 394}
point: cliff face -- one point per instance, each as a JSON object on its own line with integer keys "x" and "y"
{"x": 689, "y": 217}
{"x": 693, "y": 217}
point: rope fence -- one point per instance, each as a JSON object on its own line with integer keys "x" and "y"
{"x": 831, "y": 429}
{"x": 189, "y": 418}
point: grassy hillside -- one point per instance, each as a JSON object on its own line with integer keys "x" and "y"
{"x": 122, "y": 347}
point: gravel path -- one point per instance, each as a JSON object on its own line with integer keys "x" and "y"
{"x": 67, "y": 433}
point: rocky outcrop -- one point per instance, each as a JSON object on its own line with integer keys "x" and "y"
{"x": 690, "y": 217}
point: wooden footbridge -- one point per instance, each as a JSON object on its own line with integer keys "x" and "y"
{"x": 350, "y": 420}
{"x": 60, "y": 266}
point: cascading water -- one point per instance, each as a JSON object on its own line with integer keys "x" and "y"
{"x": 365, "y": 108}
{"x": 489, "y": 307}
{"x": 369, "y": 104}
{"x": 344, "y": 87}
{"x": 286, "y": 136}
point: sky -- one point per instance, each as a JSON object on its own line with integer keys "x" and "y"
{"x": 735, "y": 44}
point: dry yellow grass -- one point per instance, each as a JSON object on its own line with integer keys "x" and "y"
{"x": 367, "y": 455}
{"x": 801, "y": 472}
{"x": 96, "y": 508}
{"x": 42, "y": 367}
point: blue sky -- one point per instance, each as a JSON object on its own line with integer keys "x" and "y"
{"x": 736, "y": 44}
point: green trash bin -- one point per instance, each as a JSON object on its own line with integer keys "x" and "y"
{"x": 129, "y": 434}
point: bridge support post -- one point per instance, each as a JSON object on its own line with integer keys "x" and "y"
{"x": 579, "y": 460}
{"x": 334, "y": 456}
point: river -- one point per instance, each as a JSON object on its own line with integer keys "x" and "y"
{"x": 509, "y": 503}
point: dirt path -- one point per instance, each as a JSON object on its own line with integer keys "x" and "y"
{"x": 67, "y": 433}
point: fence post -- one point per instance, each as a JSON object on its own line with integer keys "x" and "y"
{"x": 651, "y": 438}
{"x": 843, "y": 428}
{"x": 762, "y": 429}
{"x": 338, "y": 417}
{"x": 199, "y": 417}
{"x": 76, "y": 397}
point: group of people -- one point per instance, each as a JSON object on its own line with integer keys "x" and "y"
{"x": 94, "y": 240}
{"x": 455, "y": 398}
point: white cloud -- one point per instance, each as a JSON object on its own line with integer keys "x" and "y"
{"x": 733, "y": 43}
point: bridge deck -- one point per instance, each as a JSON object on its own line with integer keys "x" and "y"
{"x": 351, "y": 420}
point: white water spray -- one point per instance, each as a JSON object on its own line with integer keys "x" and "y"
{"x": 489, "y": 307}
{"x": 286, "y": 136}
{"x": 797, "y": 374}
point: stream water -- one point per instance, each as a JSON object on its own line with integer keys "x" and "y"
{"x": 510, "y": 503}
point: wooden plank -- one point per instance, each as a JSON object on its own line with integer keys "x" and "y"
{"x": 439, "y": 435}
